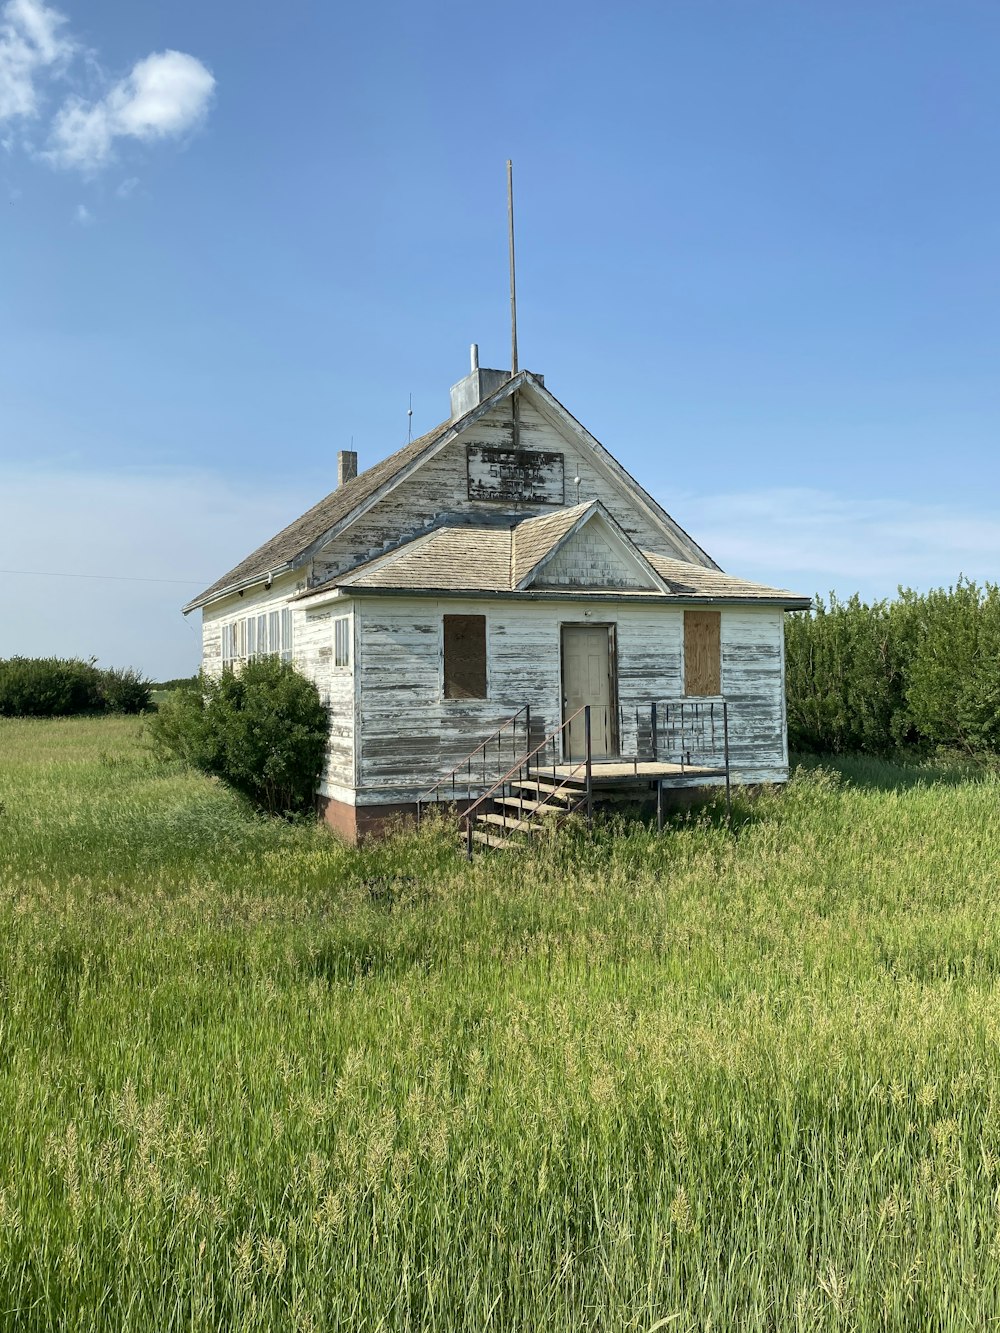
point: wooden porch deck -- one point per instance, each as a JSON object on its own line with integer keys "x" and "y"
{"x": 617, "y": 772}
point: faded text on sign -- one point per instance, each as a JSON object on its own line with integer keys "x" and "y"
{"x": 515, "y": 475}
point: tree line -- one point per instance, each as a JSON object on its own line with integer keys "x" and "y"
{"x": 921, "y": 671}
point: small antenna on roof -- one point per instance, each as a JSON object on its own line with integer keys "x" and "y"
{"x": 409, "y": 421}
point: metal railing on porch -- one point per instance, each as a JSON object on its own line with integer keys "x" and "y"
{"x": 687, "y": 736}
{"x": 482, "y": 764}
{"x": 536, "y": 764}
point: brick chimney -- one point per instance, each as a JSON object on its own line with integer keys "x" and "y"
{"x": 347, "y": 465}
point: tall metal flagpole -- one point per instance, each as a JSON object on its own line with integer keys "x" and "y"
{"x": 513, "y": 287}
{"x": 513, "y": 302}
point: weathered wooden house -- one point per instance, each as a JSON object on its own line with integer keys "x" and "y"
{"x": 499, "y": 608}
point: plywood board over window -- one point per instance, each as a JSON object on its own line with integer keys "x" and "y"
{"x": 465, "y": 657}
{"x": 702, "y": 652}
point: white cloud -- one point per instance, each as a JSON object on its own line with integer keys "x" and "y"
{"x": 815, "y": 540}
{"x": 83, "y": 215}
{"x": 164, "y": 96}
{"x": 31, "y": 42}
{"x": 128, "y": 187}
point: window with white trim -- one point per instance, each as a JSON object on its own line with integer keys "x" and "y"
{"x": 268, "y": 634}
{"x": 342, "y": 641}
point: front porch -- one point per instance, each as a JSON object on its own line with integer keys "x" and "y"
{"x": 514, "y": 783}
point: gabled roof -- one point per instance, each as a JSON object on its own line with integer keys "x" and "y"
{"x": 476, "y": 560}
{"x": 472, "y": 559}
{"x": 281, "y": 551}
{"x": 301, "y": 539}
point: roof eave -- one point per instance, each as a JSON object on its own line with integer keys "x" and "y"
{"x": 558, "y": 595}
{"x": 243, "y": 584}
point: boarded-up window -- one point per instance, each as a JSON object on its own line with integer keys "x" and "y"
{"x": 465, "y": 657}
{"x": 702, "y": 653}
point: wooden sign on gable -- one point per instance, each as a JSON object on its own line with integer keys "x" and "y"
{"x": 515, "y": 475}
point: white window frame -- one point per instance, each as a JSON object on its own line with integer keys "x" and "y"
{"x": 342, "y": 643}
{"x": 263, "y": 634}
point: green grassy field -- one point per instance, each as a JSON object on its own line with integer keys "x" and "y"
{"x": 250, "y": 1079}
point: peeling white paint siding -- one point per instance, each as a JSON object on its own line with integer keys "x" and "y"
{"x": 314, "y": 657}
{"x": 440, "y": 486}
{"x": 753, "y": 646}
{"x": 409, "y": 735}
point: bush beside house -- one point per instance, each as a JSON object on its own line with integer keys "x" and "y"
{"x": 262, "y": 730}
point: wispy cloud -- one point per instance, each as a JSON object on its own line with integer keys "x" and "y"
{"x": 83, "y": 215}
{"x": 822, "y": 540}
{"x": 33, "y": 43}
{"x": 167, "y": 524}
{"x": 164, "y": 96}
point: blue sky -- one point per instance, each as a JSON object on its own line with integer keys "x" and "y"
{"x": 758, "y": 256}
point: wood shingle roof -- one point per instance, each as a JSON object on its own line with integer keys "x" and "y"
{"x": 291, "y": 541}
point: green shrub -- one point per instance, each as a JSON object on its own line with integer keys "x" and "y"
{"x": 124, "y": 690}
{"x": 923, "y": 670}
{"x": 845, "y": 679}
{"x": 263, "y": 730}
{"x": 176, "y": 683}
{"x": 48, "y": 687}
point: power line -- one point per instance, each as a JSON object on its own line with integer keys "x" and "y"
{"x": 117, "y": 578}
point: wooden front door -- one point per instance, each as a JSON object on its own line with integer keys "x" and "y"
{"x": 587, "y": 676}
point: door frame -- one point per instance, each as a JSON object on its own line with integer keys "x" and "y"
{"x": 614, "y": 740}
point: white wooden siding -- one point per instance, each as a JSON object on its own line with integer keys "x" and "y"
{"x": 753, "y": 648}
{"x": 409, "y": 735}
{"x": 314, "y": 657}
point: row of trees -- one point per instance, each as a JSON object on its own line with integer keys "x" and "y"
{"x": 62, "y": 686}
{"x": 923, "y": 670}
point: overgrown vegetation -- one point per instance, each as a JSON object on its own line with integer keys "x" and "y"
{"x": 62, "y": 687}
{"x": 175, "y": 683}
{"x": 262, "y": 729}
{"x": 252, "y": 1079}
{"x": 923, "y": 670}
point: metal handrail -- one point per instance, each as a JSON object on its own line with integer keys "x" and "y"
{"x": 586, "y": 764}
{"x": 526, "y": 760}
{"x": 682, "y": 727}
{"x": 466, "y": 762}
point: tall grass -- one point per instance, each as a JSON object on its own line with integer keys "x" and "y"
{"x": 250, "y": 1079}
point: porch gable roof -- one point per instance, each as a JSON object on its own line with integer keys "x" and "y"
{"x": 477, "y": 560}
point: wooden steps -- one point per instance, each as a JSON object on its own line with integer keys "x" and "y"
{"x": 489, "y": 840}
{"x": 523, "y": 809}
{"x": 511, "y": 823}
{"x": 564, "y": 792}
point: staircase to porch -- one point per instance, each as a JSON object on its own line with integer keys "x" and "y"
{"x": 537, "y": 785}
